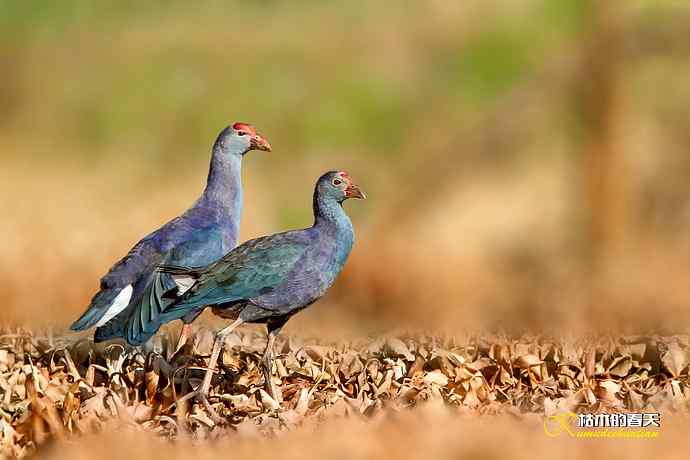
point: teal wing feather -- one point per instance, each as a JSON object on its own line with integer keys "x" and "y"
{"x": 145, "y": 320}
{"x": 252, "y": 269}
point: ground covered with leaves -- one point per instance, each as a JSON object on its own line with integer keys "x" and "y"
{"x": 56, "y": 388}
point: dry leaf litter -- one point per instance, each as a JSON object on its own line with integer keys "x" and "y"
{"x": 54, "y": 388}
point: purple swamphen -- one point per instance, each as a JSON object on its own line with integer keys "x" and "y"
{"x": 267, "y": 279}
{"x": 203, "y": 234}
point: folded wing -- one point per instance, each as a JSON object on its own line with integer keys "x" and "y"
{"x": 255, "y": 268}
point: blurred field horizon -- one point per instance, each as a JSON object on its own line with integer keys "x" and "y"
{"x": 525, "y": 160}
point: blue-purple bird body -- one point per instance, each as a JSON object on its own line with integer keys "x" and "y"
{"x": 201, "y": 235}
{"x": 268, "y": 279}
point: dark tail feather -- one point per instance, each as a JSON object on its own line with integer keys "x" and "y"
{"x": 145, "y": 319}
{"x": 180, "y": 270}
{"x": 113, "y": 329}
{"x": 139, "y": 322}
{"x": 96, "y": 309}
{"x": 161, "y": 308}
{"x": 142, "y": 320}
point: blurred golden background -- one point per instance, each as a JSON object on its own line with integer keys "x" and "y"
{"x": 526, "y": 160}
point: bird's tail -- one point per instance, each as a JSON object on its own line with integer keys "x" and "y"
{"x": 97, "y": 308}
{"x": 113, "y": 329}
{"x": 184, "y": 277}
{"x": 167, "y": 286}
{"x": 144, "y": 317}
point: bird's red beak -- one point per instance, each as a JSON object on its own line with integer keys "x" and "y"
{"x": 259, "y": 143}
{"x": 353, "y": 191}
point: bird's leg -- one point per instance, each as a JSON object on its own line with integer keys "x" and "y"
{"x": 268, "y": 366}
{"x": 201, "y": 393}
{"x": 217, "y": 347}
{"x": 184, "y": 334}
{"x": 267, "y": 360}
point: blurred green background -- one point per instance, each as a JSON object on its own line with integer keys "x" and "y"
{"x": 526, "y": 160}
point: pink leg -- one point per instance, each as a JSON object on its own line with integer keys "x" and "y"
{"x": 217, "y": 347}
{"x": 184, "y": 335}
{"x": 201, "y": 393}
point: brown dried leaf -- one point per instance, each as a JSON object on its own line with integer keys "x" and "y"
{"x": 675, "y": 359}
{"x": 268, "y": 402}
{"x": 621, "y": 366}
{"x": 436, "y": 378}
{"x": 396, "y": 347}
{"x": 527, "y": 361}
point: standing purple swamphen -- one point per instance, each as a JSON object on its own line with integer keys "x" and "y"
{"x": 203, "y": 234}
{"x": 269, "y": 279}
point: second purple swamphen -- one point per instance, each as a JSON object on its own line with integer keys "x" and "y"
{"x": 268, "y": 279}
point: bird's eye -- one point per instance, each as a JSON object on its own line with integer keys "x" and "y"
{"x": 241, "y": 133}
{"x": 337, "y": 182}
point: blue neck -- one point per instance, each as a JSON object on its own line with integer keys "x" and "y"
{"x": 223, "y": 193}
{"x": 332, "y": 222}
